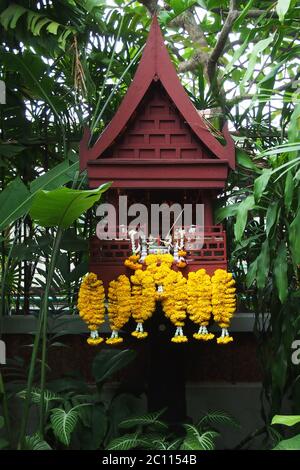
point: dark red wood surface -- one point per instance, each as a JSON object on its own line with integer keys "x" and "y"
{"x": 156, "y": 66}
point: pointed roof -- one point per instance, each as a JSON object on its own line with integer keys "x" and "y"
{"x": 156, "y": 65}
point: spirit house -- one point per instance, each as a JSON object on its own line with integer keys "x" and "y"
{"x": 158, "y": 149}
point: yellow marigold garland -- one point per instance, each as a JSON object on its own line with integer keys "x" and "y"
{"x": 142, "y": 300}
{"x": 132, "y": 262}
{"x": 159, "y": 259}
{"x": 119, "y": 306}
{"x": 174, "y": 303}
{"x": 223, "y": 302}
{"x": 181, "y": 263}
{"x": 199, "y": 308}
{"x": 159, "y": 266}
{"x": 91, "y": 306}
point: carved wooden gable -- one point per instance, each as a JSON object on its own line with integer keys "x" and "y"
{"x": 157, "y": 131}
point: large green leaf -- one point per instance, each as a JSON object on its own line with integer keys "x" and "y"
{"x": 218, "y": 417}
{"x": 49, "y": 395}
{"x": 289, "y": 190}
{"x": 294, "y": 237}
{"x": 257, "y": 49}
{"x": 272, "y": 216}
{"x": 196, "y": 440}
{"x": 224, "y": 212}
{"x": 11, "y": 15}
{"x": 242, "y": 216}
{"x": 286, "y": 420}
{"x": 63, "y": 424}
{"x": 293, "y": 129}
{"x": 289, "y": 444}
{"x": 251, "y": 273}
{"x": 16, "y": 199}
{"x": 280, "y": 272}
{"x": 57, "y": 176}
{"x": 243, "y": 158}
{"x": 260, "y": 183}
{"x": 110, "y": 362}
{"x": 263, "y": 265}
{"x": 10, "y": 150}
{"x": 145, "y": 420}
{"x": 35, "y": 443}
{"x": 61, "y": 207}
{"x": 126, "y": 442}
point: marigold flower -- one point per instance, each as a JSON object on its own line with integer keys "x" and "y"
{"x": 223, "y": 302}
{"x": 91, "y": 305}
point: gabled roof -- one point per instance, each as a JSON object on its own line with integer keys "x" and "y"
{"x": 156, "y": 65}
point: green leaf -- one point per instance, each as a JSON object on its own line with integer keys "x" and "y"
{"x": 16, "y": 199}
{"x": 36, "y": 395}
{"x": 218, "y": 417}
{"x": 195, "y": 440}
{"x": 145, "y": 420}
{"x": 99, "y": 425}
{"x": 282, "y": 8}
{"x": 105, "y": 365}
{"x": 257, "y": 49}
{"x": 126, "y": 442}
{"x": 53, "y": 27}
{"x": 35, "y": 443}
{"x": 251, "y": 273}
{"x": 57, "y": 176}
{"x": 242, "y": 216}
{"x": 294, "y": 128}
{"x": 61, "y": 207}
{"x": 288, "y": 190}
{"x": 260, "y": 184}
{"x": 224, "y": 212}
{"x": 14, "y": 202}
{"x": 286, "y": 420}
{"x": 243, "y": 158}
{"x": 289, "y": 444}
{"x": 272, "y": 216}
{"x": 263, "y": 265}
{"x": 10, "y": 150}
{"x": 242, "y": 16}
{"x": 11, "y": 15}
{"x": 294, "y": 237}
{"x": 280, "y": 272}
{"x": 63, "y": 424}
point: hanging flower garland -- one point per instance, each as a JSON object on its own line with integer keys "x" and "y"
{"x": 199, "y": 308}
{"x": 132, "y": 262}
{"x": 223, "y": 302}
{"x": 142, "y": 300}
{"x": 91, "y": 306}
{"x": 119, "y": 306}
{"x": 181, "y": 262}
{"x": 159, "y": 266}
{"x": 174, "y": 303}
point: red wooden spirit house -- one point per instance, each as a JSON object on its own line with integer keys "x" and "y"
{"x": 158, "y": 149}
